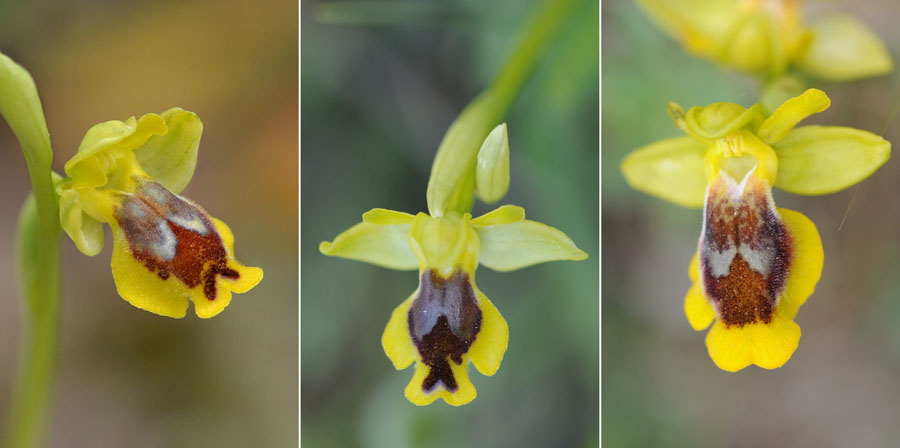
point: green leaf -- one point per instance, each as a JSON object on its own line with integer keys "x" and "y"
{"x": 814, "y": 160}
{"x": 670, "y": 169}
{"x": 514, "y": 246}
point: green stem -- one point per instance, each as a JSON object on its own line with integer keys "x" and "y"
{"x": 451, "y": 185}
{"x": 38, "y": 260}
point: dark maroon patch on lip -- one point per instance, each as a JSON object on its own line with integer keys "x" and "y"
{"x": 199, "y": 257}
{"x": 741, "y": 292}
{"x": 443, "y": 321}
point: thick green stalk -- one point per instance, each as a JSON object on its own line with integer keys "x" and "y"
{"x": 38, "y": 260}
{"x": 452, "y": 182}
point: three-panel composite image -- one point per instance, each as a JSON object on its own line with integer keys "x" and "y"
{"x": 444, "y": 223}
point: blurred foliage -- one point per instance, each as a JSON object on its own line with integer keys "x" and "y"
{"x": 377, "y": 98}
{"x": 659, "y": 386}
{"x": 126, "y": 377}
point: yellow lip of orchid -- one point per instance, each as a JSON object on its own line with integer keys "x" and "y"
{"x": 756, "y": 263}
{"x": 166, "y": 249}
{"x": 448, "y": 321}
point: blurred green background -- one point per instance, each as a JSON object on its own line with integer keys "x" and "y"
{"x": 127, "y": 377}
{"x": 376, "y": 100}
{"x": 660, "y": 388}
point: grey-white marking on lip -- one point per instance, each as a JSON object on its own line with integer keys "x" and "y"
{"x": 759, "y": 260}
{"x": 166, "y": 247}
{"x": 719, "y": 262}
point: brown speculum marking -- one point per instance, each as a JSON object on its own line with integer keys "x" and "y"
{"x": 443, "y": 321}
{"x": 745, "y": 251}
{"x": 172, "y": 236}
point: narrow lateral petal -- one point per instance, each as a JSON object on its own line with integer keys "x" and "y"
{"x": 382, "y": 245}
{"x": 506, "y": 214}
{"x": 814, "y": 160}
{"x": 670, "y": 169}
{"x": 524, "y": 243}
{"x": 791, "y": 112}
{"x": 844, "y": 48}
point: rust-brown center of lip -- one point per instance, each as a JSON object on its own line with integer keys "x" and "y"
{"x": 745, "y": 251}
{"x": 444, "y": 320}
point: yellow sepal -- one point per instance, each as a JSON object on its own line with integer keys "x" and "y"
{"x": 670, "y": 169}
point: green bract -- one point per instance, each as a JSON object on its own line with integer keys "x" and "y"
{"x": 810, "y": 160}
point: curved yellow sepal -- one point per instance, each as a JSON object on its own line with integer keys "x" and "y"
{"x": 806, "y": 267}
{"x": 670, "y": 169}
{"x": 766, "y": 345}
{"x": 378, "y": 243}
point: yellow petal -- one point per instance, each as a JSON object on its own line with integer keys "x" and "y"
{"x": 699, "y": 25}
{"x": 396, "y": 340}
{"x": 671, "y": 169}
{"x": 492, "y": 166}
{"x": 766, "y": 345}
{"x": 384, "y": 245}
{"x": 514, "y": 246}
{"x": 806, "y": 266}
{"x": 816, "y": 160}
{"x": 105, "y": 143}
{"x": 492, "y": 339}
{"x": 791, "y": 112}
{"x": 844, "y": 48}
{"x": 697, "y": 308}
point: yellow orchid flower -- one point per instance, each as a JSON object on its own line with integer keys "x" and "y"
{"x": 755, "y": 264}
{"x": 766, "y": 37}
{"x": 448, "y": 321}
{"x": 166, "y": 249}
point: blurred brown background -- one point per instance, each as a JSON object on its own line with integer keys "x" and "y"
{"x": 842, "y": 386}
{"x": 127, "y": 377}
